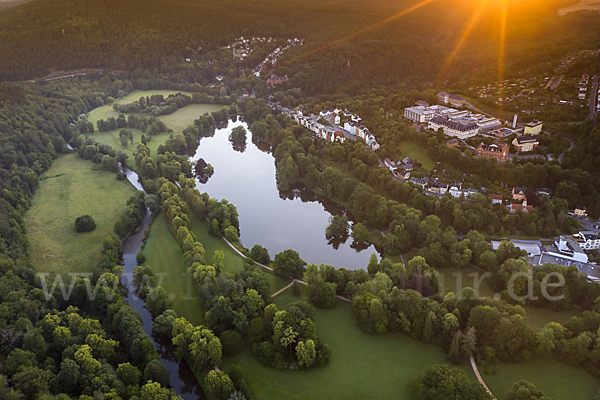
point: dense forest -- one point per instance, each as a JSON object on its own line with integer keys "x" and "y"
{"x": 347, "y": 48}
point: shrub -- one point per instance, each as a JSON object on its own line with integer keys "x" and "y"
{"x": 140, "y": 258}
{"x": 121, "y": 176}
{"x": 231, "y": 234}
{"x": 85, "y": 223}
{"x": 232, "y": 343}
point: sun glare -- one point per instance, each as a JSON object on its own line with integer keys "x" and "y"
{"x": 360, "y": 32}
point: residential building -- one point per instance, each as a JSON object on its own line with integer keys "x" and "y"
{"x": 519, "y": 193}
{"x": 422, "y": 103}
{"x": 453, "y": 99}
{"x": 543, "y": 192}
{"x": 454, "y": 128}
{"x": 337, "y": 119}
{"x": 420, "y": 181}
{"x": 454, "y": 190}
{"x": 525, "y": 143}
{"x": 496, "y": 198}
{"x": 513, "y": 208}
{"x": 498, "y": 151}
{"x": 362, "y": 132}
{"x": 406, "y": 160}
{"x": 390, "y": 164}
{"x": 351, "y": 127}
{"x": 371, "y": 141}
{"x": 440, "y": 188}
{"x": 276, "y": 80}
{"x": 587, "y": 240}
{"x": 533, "y": 128}
{"x": 581, "y": 211}
{"x": 456, "y": 101}
{"x": 407, "y": 167}
{"x": 452, "y": 143}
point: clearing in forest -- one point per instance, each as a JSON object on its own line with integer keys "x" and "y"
{"x": 70, "y": 188}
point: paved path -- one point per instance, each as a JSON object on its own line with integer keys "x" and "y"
{"x": 271, "y": 269}
{"x": 479, "y": 378}
{"x": 283, "y": 289}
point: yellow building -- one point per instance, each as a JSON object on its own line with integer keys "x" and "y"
{"x": 580, "y": 211}
{"x": 533, "y": 128}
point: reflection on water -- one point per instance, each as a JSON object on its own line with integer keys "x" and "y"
{"x": 294, "y": 219}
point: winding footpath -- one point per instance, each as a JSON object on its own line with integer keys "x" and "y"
{"x": 271, "y": 269}
{"x": 479, "y": 378}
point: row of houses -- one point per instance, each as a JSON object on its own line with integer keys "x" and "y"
{"x": 311, "y": 123}
{"x": 583, "y": 86}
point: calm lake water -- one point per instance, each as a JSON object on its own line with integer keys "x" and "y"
{"x": 277, "y": 220}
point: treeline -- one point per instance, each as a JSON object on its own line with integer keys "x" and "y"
{"x": 408, "y": 298}
{"x": 61, "y": 346}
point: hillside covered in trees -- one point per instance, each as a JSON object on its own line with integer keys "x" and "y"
{"x": 349, "y": 45}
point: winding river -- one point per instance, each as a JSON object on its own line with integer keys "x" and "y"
{"x": 277, "y": 220}
{"x": 182, "y": 379}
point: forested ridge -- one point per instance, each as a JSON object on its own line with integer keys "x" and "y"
{"x": 44, "y": 35}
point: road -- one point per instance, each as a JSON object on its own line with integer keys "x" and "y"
{"x": 571, "y": 147}
{"x": 593, "y": 97}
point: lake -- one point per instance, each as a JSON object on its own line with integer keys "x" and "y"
{"x": 276, "y": 220}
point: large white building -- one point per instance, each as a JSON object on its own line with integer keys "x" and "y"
{"x": 568, "y": 247}
{"x": 452, "y": 127}
{"x": 587, "y": 240}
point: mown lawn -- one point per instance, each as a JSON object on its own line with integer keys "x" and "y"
{"x": 180, "y": 119}
{"x": 176, "y": 121}
{"x": 69, "y": 189}
{"x": 362, "y": 366}
{"x": 416, "y": 153}
{"x": 233, "y": 261}
{"x": 540, "y": 317}
{"x": 456, "y": 279}
{"x": 557, "y": 380}
{"x": 165, "y": 256}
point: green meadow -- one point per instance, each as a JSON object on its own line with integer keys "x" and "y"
{"x": 416, "y": 153}
{"x": 176, "y": 121}
{"x": 164, "y": 255}
{"x": 362, "y": 366}
{"x": 70, "y": 188}
{"x": 556, "y": 379}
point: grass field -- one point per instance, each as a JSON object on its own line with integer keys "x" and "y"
{"x": 416, "y": 153}
{"x": 233, "y": 261}
{"x": 540, "y": 317}
{"x": 362, "y": 366}
{"x": 69, "y": 189}
{"x": 180, "y": 119}
{"x": 176, "y": 121}
{"x": 165, "y": 256}
{"x": 456, "y": 279}
{"x": 557, "y": 380}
